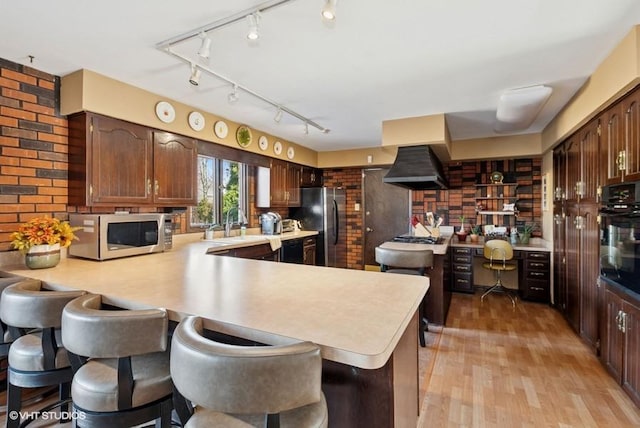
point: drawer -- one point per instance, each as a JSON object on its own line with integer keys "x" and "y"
{"x": 468, "y": 268}
{"x": 536, "y": 290}
{"x": 461, "y": 251}
{"x": 537, "y": 275}
{"x": 462, "y": 282}
{"x": 461, "y": 259}
{"x": 537, "y": 265}
{"x": 532, "y": 255}
{"x": 309, "y": 242}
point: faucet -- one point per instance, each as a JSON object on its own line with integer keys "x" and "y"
{"x": 227, "y": 225}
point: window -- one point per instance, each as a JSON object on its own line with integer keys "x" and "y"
{"x": 222, "y": 191}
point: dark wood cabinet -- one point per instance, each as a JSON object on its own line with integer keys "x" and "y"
{"x": 311, "y": 177}
{"x": 117, "y": 163}
{"x": 621, "y": 342}
{"x": 462, "y": 269}
{"x": 256, "y": 252}
{"x": 613, "y": 142}
{"x": 309, "y": 251}
{"x": 631, "y": 109}
{"x": 174, "y": 170}
{"x": 283, "y": 188}
{"x": 622, "y": 139}
{"x": 535, "y": 276}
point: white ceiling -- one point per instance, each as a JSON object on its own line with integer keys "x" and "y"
{"x": 381, "y": 60}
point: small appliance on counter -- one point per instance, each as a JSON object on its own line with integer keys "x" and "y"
{"x": 288, "y": 225}
{"x": 270, "y": 223}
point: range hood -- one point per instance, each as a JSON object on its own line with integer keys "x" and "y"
{"x": 417, "y": 168}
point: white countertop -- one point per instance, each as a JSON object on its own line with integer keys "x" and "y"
{"x": 356, "y": 317}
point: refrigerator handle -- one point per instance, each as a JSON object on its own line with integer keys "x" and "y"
{"x": 336, "y": 225}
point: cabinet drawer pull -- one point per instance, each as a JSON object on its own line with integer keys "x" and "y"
{"x": 537, "y": 274}
{"x": 463, "y": 268}
{"x": 462, "y": 281}
{"x": 461, "y": 251}
{"x": 537, "y": 288}
{"x": 462, "y": 259}
{"x": 534, "y": 264}
{"x": 537, "y": 256}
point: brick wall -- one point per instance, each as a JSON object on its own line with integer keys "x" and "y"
{"x": 33, "y": 148}
{"x": 351, "y": 180}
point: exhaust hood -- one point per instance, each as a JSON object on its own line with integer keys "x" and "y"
{"x": 417, "y": 168}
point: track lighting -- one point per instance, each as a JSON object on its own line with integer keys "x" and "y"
{"x": 195, "y": 75}
{"x": 278, "y": 116}
{"x": 329, "y": 10}
{"x": 233, "y": 96}
{"x": 253, "y": 21}
{"x": 306, "y": 128}
{"x": 205, "y": 47}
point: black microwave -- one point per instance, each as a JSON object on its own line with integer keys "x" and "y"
{"x": 110, "y": 236}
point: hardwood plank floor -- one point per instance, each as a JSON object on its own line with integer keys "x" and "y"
{"x": 495, "y": 366}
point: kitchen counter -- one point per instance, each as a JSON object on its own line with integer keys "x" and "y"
{"x": 535, "y": 244}
{"x": 232, "y": 242}
{"x": 364, "y": 322}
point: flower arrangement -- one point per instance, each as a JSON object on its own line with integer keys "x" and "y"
{"x": 42, "y": 231}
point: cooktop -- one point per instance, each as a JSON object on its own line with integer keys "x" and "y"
{"x": 419, "y": 239}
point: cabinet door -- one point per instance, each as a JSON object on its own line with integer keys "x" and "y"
{"x": 121, "y": 162}
{"x": 572, "y": 260}
{"x": 631, "y": 108}
{"x": 294, "y": 174}
{"x": 612, "y": 342}
{"x": 574, "y": 169}
{"x": 175, "y": 169}
{"x": 278, "y": 183}
{"x": 311, "y": 177}
{"x": 589, "y": 272}
{"x": 613, "y": 141}
{"x": 631, "y": 374}
{"x": 309, "y": 251}
{"x": 589, "y": 160}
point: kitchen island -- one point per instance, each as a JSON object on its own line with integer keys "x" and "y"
{"x": 364, "y": 322}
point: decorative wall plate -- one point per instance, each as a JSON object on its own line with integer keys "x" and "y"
{"x": 243, "y": 136}
{"x": 221, "y": 129}
{"x": 165, "y": 112}
{"x": 496, "y": 177}
{"x": 263, "y": 142}
{"x": 277, "y": 147}
{"x": 291, "y": 152}
{"x": 196, "y": 121}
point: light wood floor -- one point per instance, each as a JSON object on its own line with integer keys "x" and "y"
{"x": 492, "y": 366}
{"x": 499, "y": 367}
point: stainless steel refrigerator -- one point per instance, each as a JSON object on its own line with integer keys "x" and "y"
{"x": 324, "y": 209}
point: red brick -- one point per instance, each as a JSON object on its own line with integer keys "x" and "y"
{"x": 17, "y": 113}
{"x": 34, "y": 181}
{"x": 46, "y": 84}
{"x": 8, "y": 121}
{"x": 61, "y": 199}
{"x": 54, "y": 191}
{"x": 43, "y": 136}
{"x": 8, "y": 199}
{"x": 8, "y": 179}
{"x": 12, "y": 170}
{"x": 16, "y": 208}
{"x": 61, "y": 148}
{"x": 8, "y": 218}
{"x": 21, "y": 153}
{"x": 61, "y": 165}
{"x": 52, "y": 120}
{"x": 18, "y": 95}
{"x": 6, "y": 83}
{"x": 35, "y": 199}
{"x": 38, "y": 109}
{"x": 51, "y": 208}
{"x": 61, "y": 130}
{"x": 35, "y": 163}
{"x": 7, "y": 160}
{"x": 14, "y": 75}
{"x": 9, "y": 141}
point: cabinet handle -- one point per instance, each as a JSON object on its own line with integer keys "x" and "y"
{"x": 621, "y": 161}
{"x": 537, "y": 273}
{"x": 579, "y": 222}
{"x": 157, "y": 187}
{"x": 623, "y": 322}
{"x": 148, "y": 186}
{"x": 534, "y": 264}
{"x": 537, "y": 288}
{"x": 580, "y": 188}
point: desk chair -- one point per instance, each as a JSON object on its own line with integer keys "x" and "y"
{"x": 498, "y": 252}
{"x": 36, "y": 359}
{"x": 120, "y": 362}
{"x": 408, "y": 262}
{"x": 245, "y": 386}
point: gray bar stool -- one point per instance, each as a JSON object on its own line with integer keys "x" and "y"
{"x": 240, "y": 386}
{"x": 408, "y": 262}
{"x": 36, "y": 359}
{"x": 121, "y": 364}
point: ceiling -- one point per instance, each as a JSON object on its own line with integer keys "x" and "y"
{"x": 380, "y": 60}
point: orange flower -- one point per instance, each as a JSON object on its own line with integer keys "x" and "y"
{"x": 43, "y": 231}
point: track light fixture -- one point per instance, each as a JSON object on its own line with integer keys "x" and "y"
{"x": 278, "y": 116}
{"x": 329, "y": 10}
{"x": 205, "y": 47}
{"x": 306, "y": 128}
{"x": 233, "y": 96}
{"x": 253, "y": 21}
{"x": 195, "y": 75}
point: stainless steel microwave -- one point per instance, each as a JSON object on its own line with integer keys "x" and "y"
{"x": 109, "y": 236}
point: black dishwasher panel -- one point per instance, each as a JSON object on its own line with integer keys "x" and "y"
{"x": 292, "y": 251}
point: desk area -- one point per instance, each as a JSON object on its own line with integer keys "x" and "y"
{"x": 532, "y": 279}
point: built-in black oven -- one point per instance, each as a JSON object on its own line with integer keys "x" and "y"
{"x": 620, "y": 235}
